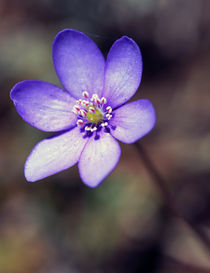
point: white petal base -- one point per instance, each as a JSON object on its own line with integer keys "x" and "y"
{"x": 98, "y": 159}
{"x": 53, "y": 155}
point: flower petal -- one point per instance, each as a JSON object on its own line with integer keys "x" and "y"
{"x": 98, "y": 159}
{"x": 123, "y": 71}
{"x": 53, "y": 155}
{"x": 44, "y": 105}
{"x": 78, "y": 62}
{"x": 133, "y": 120}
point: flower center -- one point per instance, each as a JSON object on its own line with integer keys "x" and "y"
{"x": 93, "y": 115}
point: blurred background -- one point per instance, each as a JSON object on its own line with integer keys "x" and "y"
{"x": 59, "y": 225}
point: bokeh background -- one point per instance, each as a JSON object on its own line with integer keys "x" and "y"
{"x": 59, "y": 225}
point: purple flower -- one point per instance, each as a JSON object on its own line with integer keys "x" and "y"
{"x": 90, "y": 115}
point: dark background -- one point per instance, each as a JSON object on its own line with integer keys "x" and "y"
{"x": 59, "y": 225}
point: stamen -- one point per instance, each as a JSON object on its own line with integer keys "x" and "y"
{"x": 85, "y": 103}
{"x": 93, "y": 129}
{"x": 80, "y": 122}
{"x": 74, "y": 111}
{"x": 91, "y": 109}
{"x": 95, "y": 99}
{"x": 83, "y": 113}
{"x": 87, "y": 128}
{"x": 109, "y": 109}
{"x": 98, "y": 101}
{"x": 104, "y": 124}
{"x": 103, "y": 100}
{"x": 92, "y": 115}
{"x": 85, "y": 94}
{"x": 108, "y": 116}
{"x": 76, "y": 108}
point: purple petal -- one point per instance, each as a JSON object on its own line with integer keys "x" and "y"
{"x": 133, "y": 120}
{"x": 98, "y": 159}
{"x": 78, "y": 62}
{"x": 53, "y": 155}
{"x": 123, "y": 71}
{"x": 44, "y": 105}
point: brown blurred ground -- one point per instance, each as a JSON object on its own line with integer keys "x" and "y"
{"x": 59, "y": 225}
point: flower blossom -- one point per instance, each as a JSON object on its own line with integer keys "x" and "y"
{"x": 90, "y": 114}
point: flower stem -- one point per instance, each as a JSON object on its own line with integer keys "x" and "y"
{"x": 167, "y": 195}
